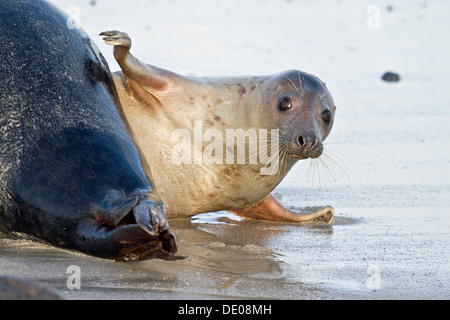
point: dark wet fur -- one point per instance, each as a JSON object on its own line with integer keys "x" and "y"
{"x": 70, "y": 174}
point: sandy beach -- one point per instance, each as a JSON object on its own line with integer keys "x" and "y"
{"x": 388, "y": 179}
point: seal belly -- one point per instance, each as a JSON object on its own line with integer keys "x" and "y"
{"x": 195, "y": 187}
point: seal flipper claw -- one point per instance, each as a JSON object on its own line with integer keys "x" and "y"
{"x": 128, "y": 242}
{"x": 271, "y": 209}
{"x": 313, "y": 214}
{"x": 114, "y": 207}
{"x": 121, "y": 42}
{"x": 117, "y": 38}
{"x": 127, "y": 228}
{"x": 139, "y": 246}
{"x": 151, "y": 217}
{"x": 146, "y": 78}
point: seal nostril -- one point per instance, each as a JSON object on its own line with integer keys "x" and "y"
{"x": 301, "y": 141}
{"x": 314, "y": 143}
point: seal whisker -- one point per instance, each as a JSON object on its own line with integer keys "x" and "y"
{"x": 315, "y": 170}
{"x": 309, "y": 172}
{"x": 334, "y": 164}
{"x": 298, "y": 90}
{"x": 278, "y": 173}
{"x": 300, "y": 82}
{"x": 319, "y": 173}
{"x": 337, "y": 154}
{"x": 272, "y": 171}
{"x": 269, "y": 159}
{"x": 284, "y": 148}
{"x": 257, "y": 153}
{"x": 285, "y": 155}
{"x": 327, "y": 170}
{"x": 324, "y": 94}
{"x": 250, "y": 153}
{"x": 281, "y": 159}
{"x": 274, "y": 132}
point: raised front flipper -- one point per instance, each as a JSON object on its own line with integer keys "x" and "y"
{"x": 271, "y": 209}
{"x": 146, "y": 76}
{"x": 127, "y": 228}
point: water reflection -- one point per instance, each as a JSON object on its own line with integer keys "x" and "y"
{"x": 237, "y": 230}
{"x": 229, "y": 257}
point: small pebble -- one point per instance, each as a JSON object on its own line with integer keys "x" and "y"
{"x": 390, "y": 77}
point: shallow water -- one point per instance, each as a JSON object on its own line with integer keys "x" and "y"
{"x": 234, "y": 258}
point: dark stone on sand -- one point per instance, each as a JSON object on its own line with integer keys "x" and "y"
{"x": 391, "y": 77}
{"x": 18, "y": 289}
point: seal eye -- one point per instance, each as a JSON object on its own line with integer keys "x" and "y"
{"x": 284, "y": 104}
{"x": 326, "y": 116}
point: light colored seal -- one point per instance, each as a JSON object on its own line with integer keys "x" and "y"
{"x": 293, "y": 108}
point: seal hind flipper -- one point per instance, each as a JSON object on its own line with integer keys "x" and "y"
{"x": 150, "y": 217}
{"x": 270, "y": 209}
{"x": 125, "y": 242}
{"x": 138, "y": 244}
{"x": 114, "y": 207}
{"x": 128, "y": 228}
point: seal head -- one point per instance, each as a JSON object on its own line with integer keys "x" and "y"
{"x": 302, "y": 108}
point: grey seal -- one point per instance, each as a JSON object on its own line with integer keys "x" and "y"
{"x": 156, "y": 103}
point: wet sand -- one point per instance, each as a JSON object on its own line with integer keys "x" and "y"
{"x": 405, "y": 249}
{"x": 388, "y": 179}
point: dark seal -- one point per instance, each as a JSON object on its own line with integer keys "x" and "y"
{"x": 19, "y": 289}
{"x": 70, "y": 174}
